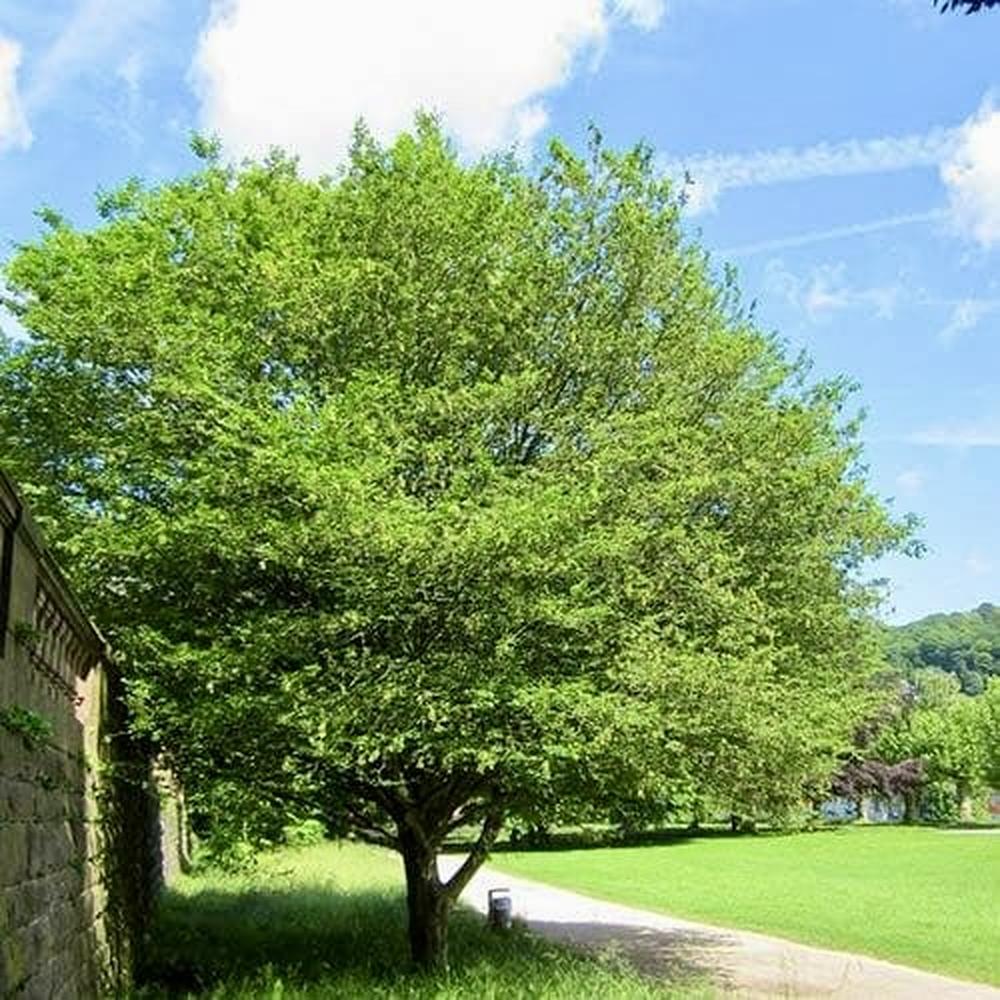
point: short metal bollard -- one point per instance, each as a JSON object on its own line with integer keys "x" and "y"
{"x": 499, "y": 909}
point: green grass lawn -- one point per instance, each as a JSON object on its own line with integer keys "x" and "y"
{"x": 922, "y": 897}
{"x": 329, "y": 921}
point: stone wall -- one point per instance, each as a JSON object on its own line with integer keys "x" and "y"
{"x": 81, "y": 856}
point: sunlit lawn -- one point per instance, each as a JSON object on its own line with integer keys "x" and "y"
{"x": 328, "y": 921}
{"x": 922, "y": 897}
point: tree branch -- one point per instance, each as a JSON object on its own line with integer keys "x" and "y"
{"x": 491, "y": 827}
{"x": 471, "y": 812}
{"x": 394, "y": 804}
{"x": 368, "y": 829}
{"x": 376, "y": 835}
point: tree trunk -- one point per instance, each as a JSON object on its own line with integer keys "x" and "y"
{"x": 427, "y": 903}
{"x": 964, "y": 801}
{"x": 428, "y": 899}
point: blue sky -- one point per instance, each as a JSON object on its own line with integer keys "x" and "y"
{"x": 846, "y": 158}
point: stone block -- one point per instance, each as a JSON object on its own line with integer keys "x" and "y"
{"x": 13, "y": 968}
{"x": 40, "y": 943}
{"x": 20, "y": 955}
{"x": 14, "y": 856}
{"x": 72, "y": 883}
{"x": 38, "y": 849}
{"x": 50, "y": 848}
{"x": 64, "y": 921}
{"x": 58, "y": 966}
{"x": 60, "y": 885}
{"x": 42, "y": 983}
{"x": 42, "y": 895}
{"x": 22, "y": 799}
{"x": 22, "y": 904}
{"x": 78, "y": 833}
{"x": 74, "y": 987}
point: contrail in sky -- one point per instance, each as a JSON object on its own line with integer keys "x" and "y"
{"x": 836, "y": 233}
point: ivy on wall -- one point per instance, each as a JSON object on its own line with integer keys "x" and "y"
{"x": 35, "y": 730}
{"x": 26, "y": 635}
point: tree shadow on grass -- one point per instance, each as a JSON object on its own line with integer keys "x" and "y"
{"x": 324, "y": 943}
{"x": 583, "y": 840}
{"x": 208, "y": 937}
{"x": 677, "y": 955}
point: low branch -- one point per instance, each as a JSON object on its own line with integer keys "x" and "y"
{"x": 371, "y": 831}
{"x": 471, "y": 813}
{"x": 441, "y": 792}
{"x": 377, "y": 836}
{"x": 491, "y": 827}
{"x": 393, "y": 805}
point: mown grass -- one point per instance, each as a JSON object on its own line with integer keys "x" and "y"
{"x": 921, "y": 897}
{"x": 329, "y": 921}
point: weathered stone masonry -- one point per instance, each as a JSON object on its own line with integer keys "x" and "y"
{"x": 80, "y": 853}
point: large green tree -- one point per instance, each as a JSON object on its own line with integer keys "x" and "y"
{"x": 437, "y": 494}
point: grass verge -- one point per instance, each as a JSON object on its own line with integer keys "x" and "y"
{"x": 922, "y": 897}
{"x": 329, "y": 921}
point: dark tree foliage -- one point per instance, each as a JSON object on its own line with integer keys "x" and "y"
{"x": 858, "y": 778}
{"x": 969, "y": 6}
{"x": 966, "y": 644}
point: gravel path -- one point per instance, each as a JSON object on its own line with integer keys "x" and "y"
{"x": 740, "y": 963}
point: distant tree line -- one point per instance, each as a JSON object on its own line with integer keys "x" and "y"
{"x": 966, "y": 644}
{"x": 930, "y": 744}
{"x": 928, "y": 738}
{"x": 931, "y": 739}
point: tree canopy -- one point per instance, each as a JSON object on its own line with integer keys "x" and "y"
{"x": 435, "y": 494}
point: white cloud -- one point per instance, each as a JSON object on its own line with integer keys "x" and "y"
{"x": 985, "y": 434}
{"x": 910, "y": 481}
{"x": 972, "y": 176}
{"x": 966, "y": 315}
{"x": 14, "y": 131}
{"x": 88, "y": 43}
{"x": 977, "y": 564}
{"x": 92, "y": 35}
{"x": 882, "y": 299}
{"x": 130, "y": 73}
{"x": 298, "y": 74}
{"x": 714, "y": 173}
{"x": 967, "y": 158}
{"x": 644, "y": 13}
{"x": 825, "y": 291}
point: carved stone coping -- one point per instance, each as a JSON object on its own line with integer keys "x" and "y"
{"x": 52, "y": 584}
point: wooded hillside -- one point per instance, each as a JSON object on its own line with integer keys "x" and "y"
{"x": 964, "y": 643}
